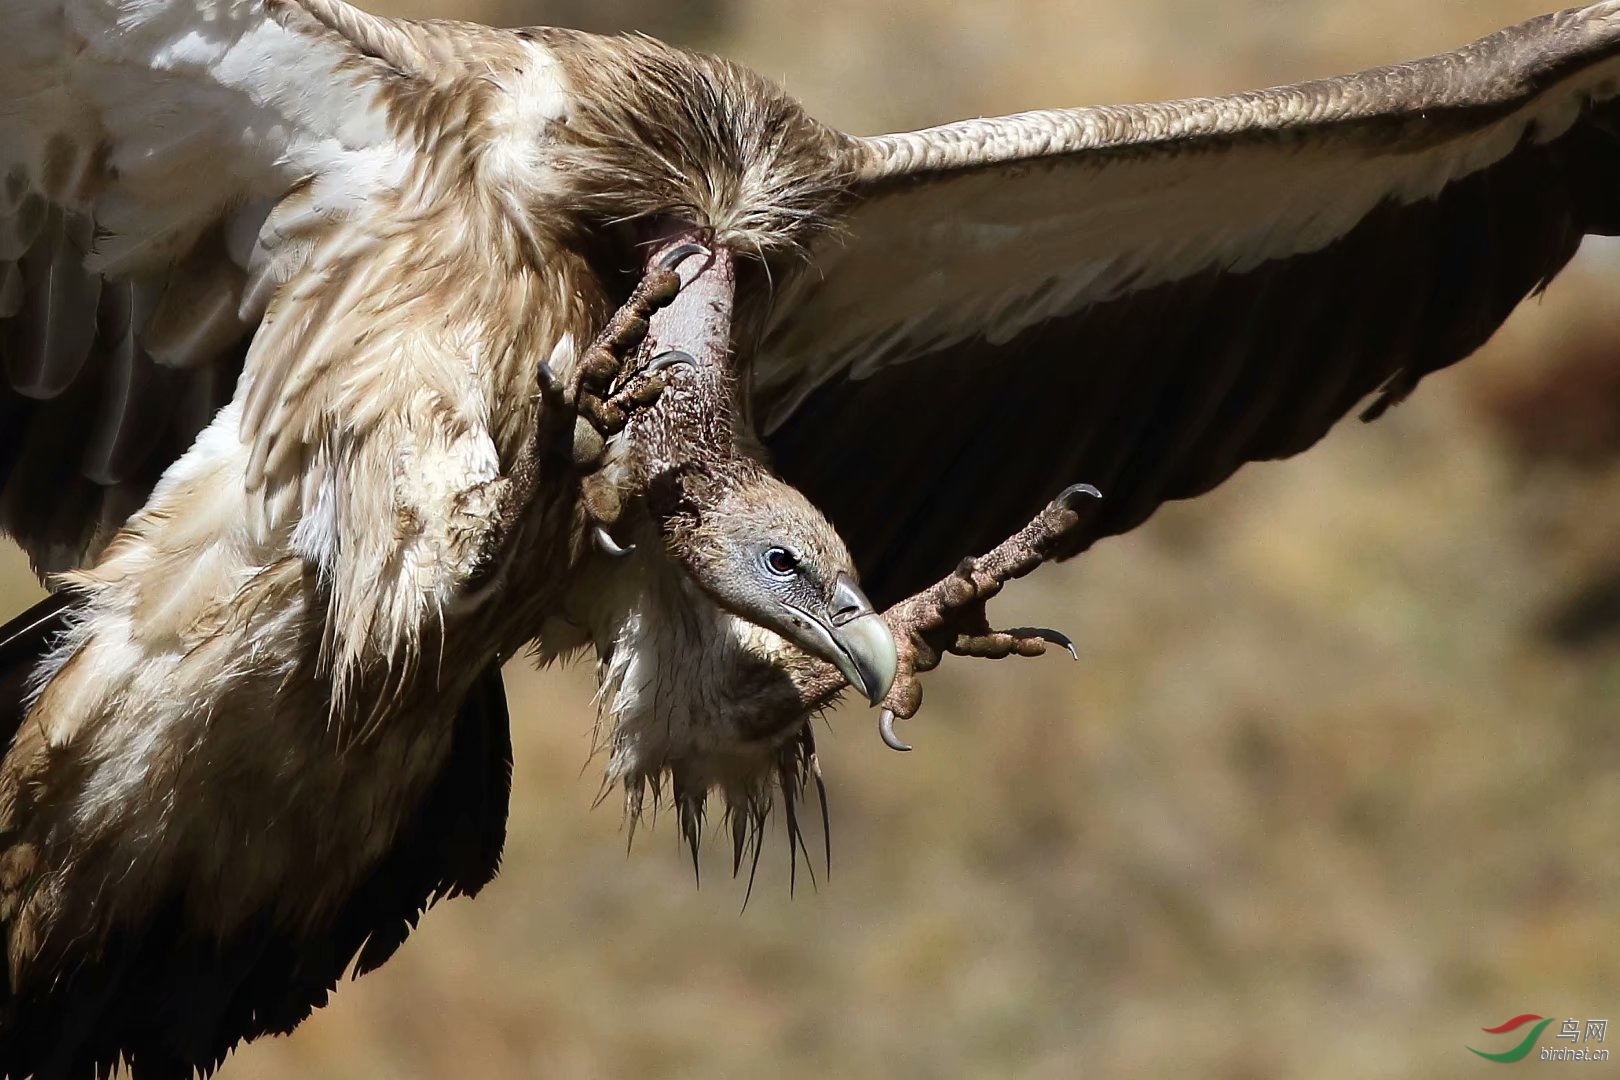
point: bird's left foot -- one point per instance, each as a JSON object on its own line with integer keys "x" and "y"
{"x": 950, "y": 616}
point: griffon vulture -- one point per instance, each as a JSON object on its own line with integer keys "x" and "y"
{"x": 345, "y": 357}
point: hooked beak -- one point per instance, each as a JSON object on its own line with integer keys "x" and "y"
{"x": 854, "y": 639}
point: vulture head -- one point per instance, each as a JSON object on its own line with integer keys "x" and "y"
{"x": 736, "y": 596}
{"x": 762, "y": 552}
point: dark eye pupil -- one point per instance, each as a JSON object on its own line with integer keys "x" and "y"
{"x": 781, "y": 562}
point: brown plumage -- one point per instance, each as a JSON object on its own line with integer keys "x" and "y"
{"x": 344, "y": 358}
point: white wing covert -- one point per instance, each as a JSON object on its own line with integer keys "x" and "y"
{"x": 142, "y": 148}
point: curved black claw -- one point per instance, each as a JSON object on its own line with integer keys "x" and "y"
{"x": 1070, "y": 496}
{"x": 605, "y": 541}
{"x": 886, "y": 731}
{"x": 1045, "y": 633}
{"x": 551, "y": 384}
{"x": 669, "y": 359}
{"x": 671, "y": 259}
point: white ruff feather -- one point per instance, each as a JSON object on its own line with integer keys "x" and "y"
{"x": 665, "y": 689}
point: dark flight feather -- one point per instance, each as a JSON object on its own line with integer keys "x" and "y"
{"x": 1163, "y": 393}
{"x": 168, "y": 1001}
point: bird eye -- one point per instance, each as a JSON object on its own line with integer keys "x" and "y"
{"x": 781, "y": 562}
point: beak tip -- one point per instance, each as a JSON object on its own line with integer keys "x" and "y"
{"x": 858, "y": 641}
{"x": 868, "y": 660}
{"x": 876, "y": 658}
{"x": 881, "y": 685}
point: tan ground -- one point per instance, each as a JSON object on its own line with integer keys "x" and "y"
{"x": 1324, "y": 796}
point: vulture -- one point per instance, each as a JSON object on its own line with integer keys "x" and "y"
{"x": 345, "y": 358}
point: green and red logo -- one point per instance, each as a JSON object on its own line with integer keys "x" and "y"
{"x": 1528, "y": 1043}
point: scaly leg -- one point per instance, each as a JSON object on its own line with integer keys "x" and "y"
{"x": 950, "y": 616}
{"x": 598, "y": 413}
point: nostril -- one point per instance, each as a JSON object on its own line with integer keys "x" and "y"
{"x": 847, "y": 602}
{"x": 845, "y": 613}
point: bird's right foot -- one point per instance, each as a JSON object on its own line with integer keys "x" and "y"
{"x": 605, "y": 388}
{"x": 950, "y": 617}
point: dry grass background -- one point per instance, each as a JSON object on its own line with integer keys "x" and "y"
{"x": 1333, "y": 786}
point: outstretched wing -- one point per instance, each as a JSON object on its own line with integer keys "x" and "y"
{"x": 1146, "y": 297}
{"x": 142, "y": 149}
{"x": 191, "y": 189}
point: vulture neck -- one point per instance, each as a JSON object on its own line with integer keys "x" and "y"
{"x": 687, "y": 687}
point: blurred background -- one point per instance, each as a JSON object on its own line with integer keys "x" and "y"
{"x": 1333, "y": 786}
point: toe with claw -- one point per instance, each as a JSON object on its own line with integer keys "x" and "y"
{"x": 581, "y": 413}
{"x": 606, "y": 389}
{"x": 597, "y": 411}
{"x": 950, "y": 616}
